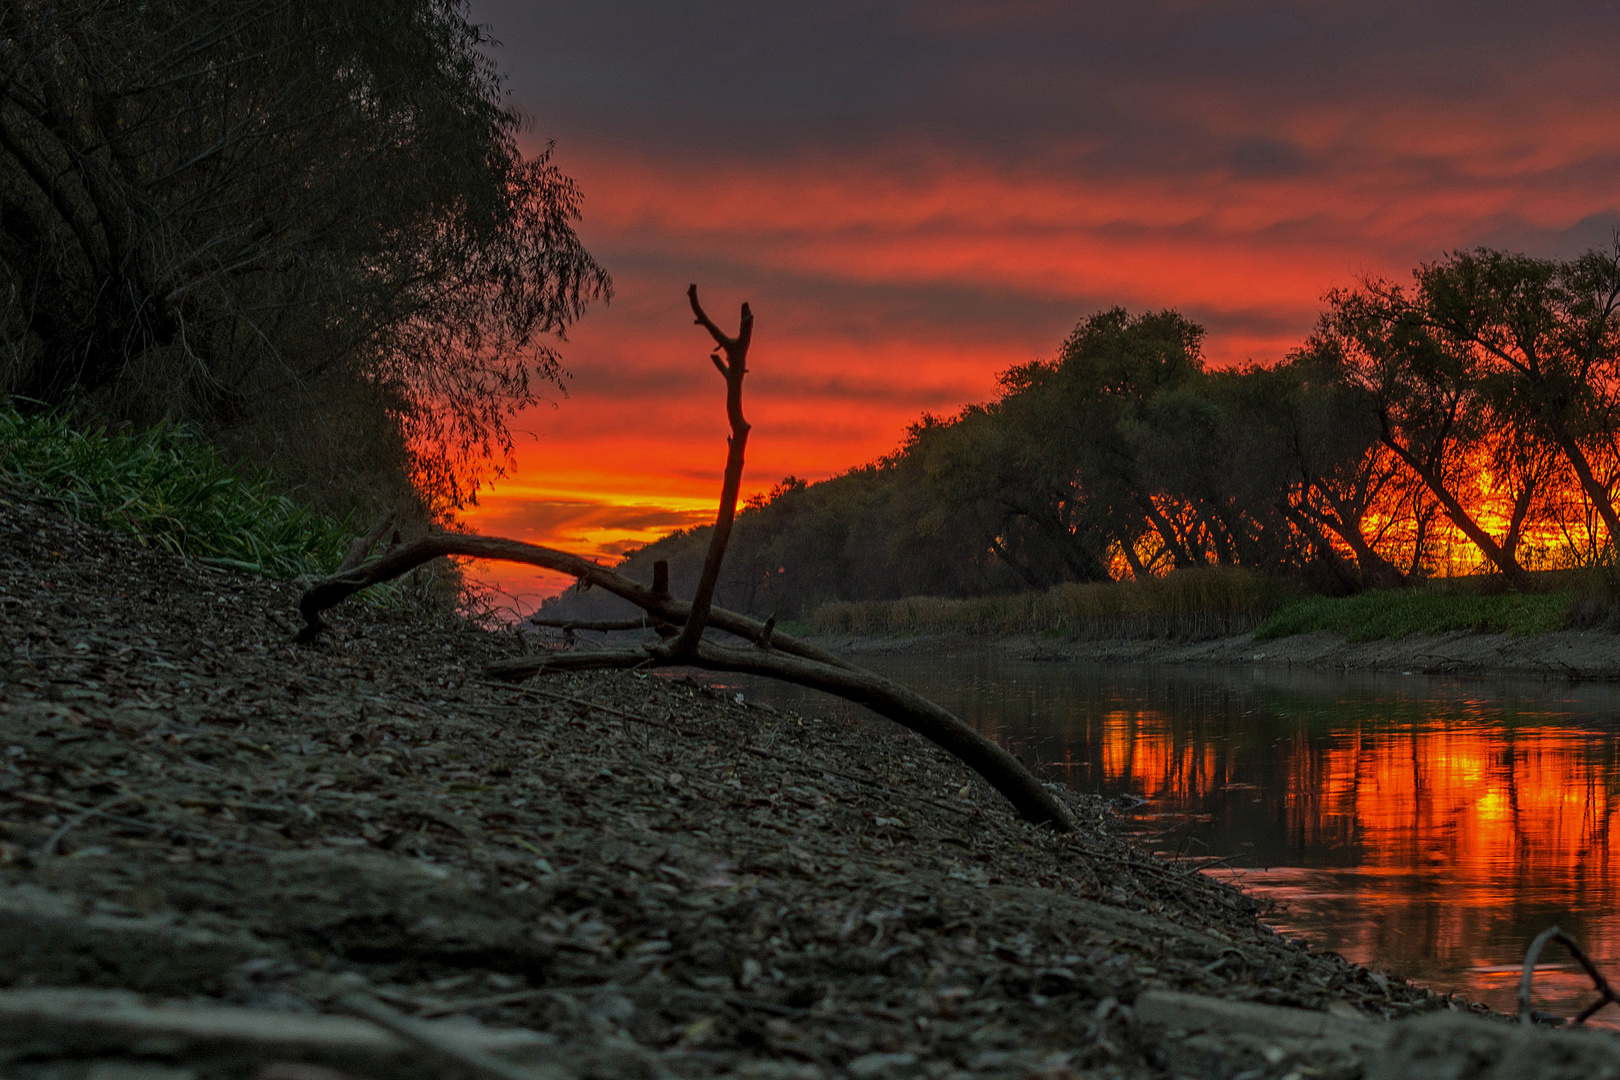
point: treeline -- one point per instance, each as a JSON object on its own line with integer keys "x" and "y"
{"x": 304, "y": 228}
{"x": 1468, "y": 421}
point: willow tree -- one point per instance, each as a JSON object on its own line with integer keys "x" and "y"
{"x": 208, "y": 207}
{"x": 1500, "y": 354}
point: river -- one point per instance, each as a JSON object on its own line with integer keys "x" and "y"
{"x": 1421, "y": 826}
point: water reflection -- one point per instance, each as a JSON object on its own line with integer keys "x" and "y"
{"x": 1415, "y": 825}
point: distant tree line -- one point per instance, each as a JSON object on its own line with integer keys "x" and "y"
{"x": 1467, "y": 421}
{"x": 306, "y": 227}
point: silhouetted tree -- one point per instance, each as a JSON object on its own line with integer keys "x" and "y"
{"x": 211, "y": 205}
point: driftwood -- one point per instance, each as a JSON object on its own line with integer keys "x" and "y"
{"x": 768, "y": 652}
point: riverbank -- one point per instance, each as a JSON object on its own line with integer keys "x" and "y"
{"x": 216, "y": 847}
{"x": 1561, "y": 655}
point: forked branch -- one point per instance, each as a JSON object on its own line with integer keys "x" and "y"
{"x": 772, "y": 653}
{"x": 733, "y": 367}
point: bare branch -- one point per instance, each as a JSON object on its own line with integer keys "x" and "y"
{"x": 331, "y": 591}
{"x": 788, "y": 658}
{"x": 605, "y": 626}
{"x": 733, "y": 368}
{"x": 1606, "y": 992}
{"x": 779, "y": 655}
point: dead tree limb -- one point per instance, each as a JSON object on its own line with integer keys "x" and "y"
{"x": 330, "y": 591}
{"x": 1606, "y": 993}
{"x": 888, "y": 699}
{"x": 787, "y": 658}
{"x": 732, "y": 368}
{"x": 606, "y": 626}
{"x": 774, "y": 654}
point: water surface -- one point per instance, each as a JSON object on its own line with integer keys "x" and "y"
{"x": 1421, "y": 826}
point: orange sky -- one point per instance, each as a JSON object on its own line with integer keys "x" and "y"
{"x": 912, "y": 211}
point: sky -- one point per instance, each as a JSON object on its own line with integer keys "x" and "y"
{"x": 915, "y": 196}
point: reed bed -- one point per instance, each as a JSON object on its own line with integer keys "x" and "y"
{"x": 1191, "y": 604}
{"x": 168, "y": 487}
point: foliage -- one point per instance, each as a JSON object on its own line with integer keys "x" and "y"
{"x": 168, "y": 487}
{"x": 1469, "y": 423}
{"x": 1394, "y": 614}
{"x": 221, "y": 210}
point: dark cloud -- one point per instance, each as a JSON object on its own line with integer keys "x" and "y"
{"x": 1168, "y": 85}
{"x": 1263, "y": 158}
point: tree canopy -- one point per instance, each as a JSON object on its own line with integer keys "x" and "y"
{"x": 1467, "y": 422}
{"x": 227, "y": 209}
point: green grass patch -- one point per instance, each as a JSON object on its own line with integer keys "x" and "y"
{"x": 1390, "y": 614}
{"x": 168, "y": 487}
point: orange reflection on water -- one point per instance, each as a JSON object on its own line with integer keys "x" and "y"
{"x": 1139, "y": 748}
{"x": 1435, "y": 847}
{"x": 1479, "y": 806}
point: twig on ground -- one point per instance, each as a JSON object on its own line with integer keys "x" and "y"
{"x": 518, "y": 997}
{"x": 134, "y": 823}
{"x": 49, "y": 847}
{"x": 479, "y": 1062}
{"x": 1599, "y": 983}
{"x": 606, "y": 626}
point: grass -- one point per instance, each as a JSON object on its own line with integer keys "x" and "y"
{"x": 1202, "y": 603}
{"x": 1387, "y": 614}
{"x": 165, "y": 486}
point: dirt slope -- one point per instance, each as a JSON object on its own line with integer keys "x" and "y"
{"x": 628, "y": 875}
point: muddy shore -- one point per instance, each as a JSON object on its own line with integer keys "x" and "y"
{"x": 1565, "y": 655}
{"x": 222, "y": 855}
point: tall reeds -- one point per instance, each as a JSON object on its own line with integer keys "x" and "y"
{"x": 1190, "y": 604}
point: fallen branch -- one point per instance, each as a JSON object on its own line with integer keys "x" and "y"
{"x": 1599, "y": 983}
{"x": 605, "y": 626}
{"x": 518, "y": 997}
{"x": 330, "y": 591}
{"x": 775, "y": 654}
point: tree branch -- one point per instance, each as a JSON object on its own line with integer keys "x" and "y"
{"x": 733, "y": 368}
{"x": 603, "y": 625}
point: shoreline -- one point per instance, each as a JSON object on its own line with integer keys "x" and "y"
{"x": 1565, "y": 655}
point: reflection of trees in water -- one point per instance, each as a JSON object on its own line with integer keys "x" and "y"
{"x": 1461, "y": 834}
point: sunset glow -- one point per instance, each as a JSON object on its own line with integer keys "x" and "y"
{"x": 895, "y": 268}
